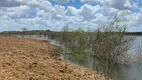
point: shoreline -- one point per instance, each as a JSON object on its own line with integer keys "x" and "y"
{"x": 31, "y": 59}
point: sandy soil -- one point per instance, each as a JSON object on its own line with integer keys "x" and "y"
{"x": 29, "y": 59}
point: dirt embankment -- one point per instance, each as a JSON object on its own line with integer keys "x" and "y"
{"x": 29, "y": 59}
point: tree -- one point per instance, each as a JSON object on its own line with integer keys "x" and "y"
{"x": 65, "y": 39}
{"x": 79, "y": 45}
{"x": 24, "y": 31}
{"x": 109, "y": 46}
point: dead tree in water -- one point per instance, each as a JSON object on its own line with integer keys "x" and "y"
{"x": 109, "y": 46}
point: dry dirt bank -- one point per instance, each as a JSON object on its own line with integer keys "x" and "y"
{"x": 29, "y": 59}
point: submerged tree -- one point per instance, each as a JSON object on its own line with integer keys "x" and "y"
{"x": 79, "y": 45}
{"x": 64, "y": 39}
{"x": 74, "y": 42}
{"x": 109, "y": 45}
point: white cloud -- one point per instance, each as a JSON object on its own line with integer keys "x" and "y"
{"x": 10, "y": 3}
{"x": 19, "y": 12}
{"x": 88, "y": 1}
{"x": 88, "y": 11}
{"x": 41, "y": 14}
{"x": 108, "y": 11}
{"x": 16, "y": 12}
{"x": 42, "y": 4}
{"x": 121, "y": 4}
{"x": 118, "y": 4}
{"x": 137, "y": 24}
{"x": 71, "y": 11}
{"x": 62, "y": 1}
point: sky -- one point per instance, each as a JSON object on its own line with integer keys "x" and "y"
{"x": 54, "y": 14}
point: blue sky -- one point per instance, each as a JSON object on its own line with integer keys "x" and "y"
{"x": 77, "y": 3}
{"x": 54, "y": 14}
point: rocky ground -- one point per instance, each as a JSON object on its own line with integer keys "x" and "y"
{"x": 29, "y": 59}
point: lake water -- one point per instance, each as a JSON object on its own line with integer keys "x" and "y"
{"x": 125, "y": 72}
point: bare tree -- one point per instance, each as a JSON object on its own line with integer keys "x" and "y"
{"x": 24, "y": 31}
{"x": 110, "y": 45}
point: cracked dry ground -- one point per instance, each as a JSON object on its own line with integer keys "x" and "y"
{"x": 29, "y": 59}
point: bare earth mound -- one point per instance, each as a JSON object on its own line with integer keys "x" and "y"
{"x": 29, "y": 59}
